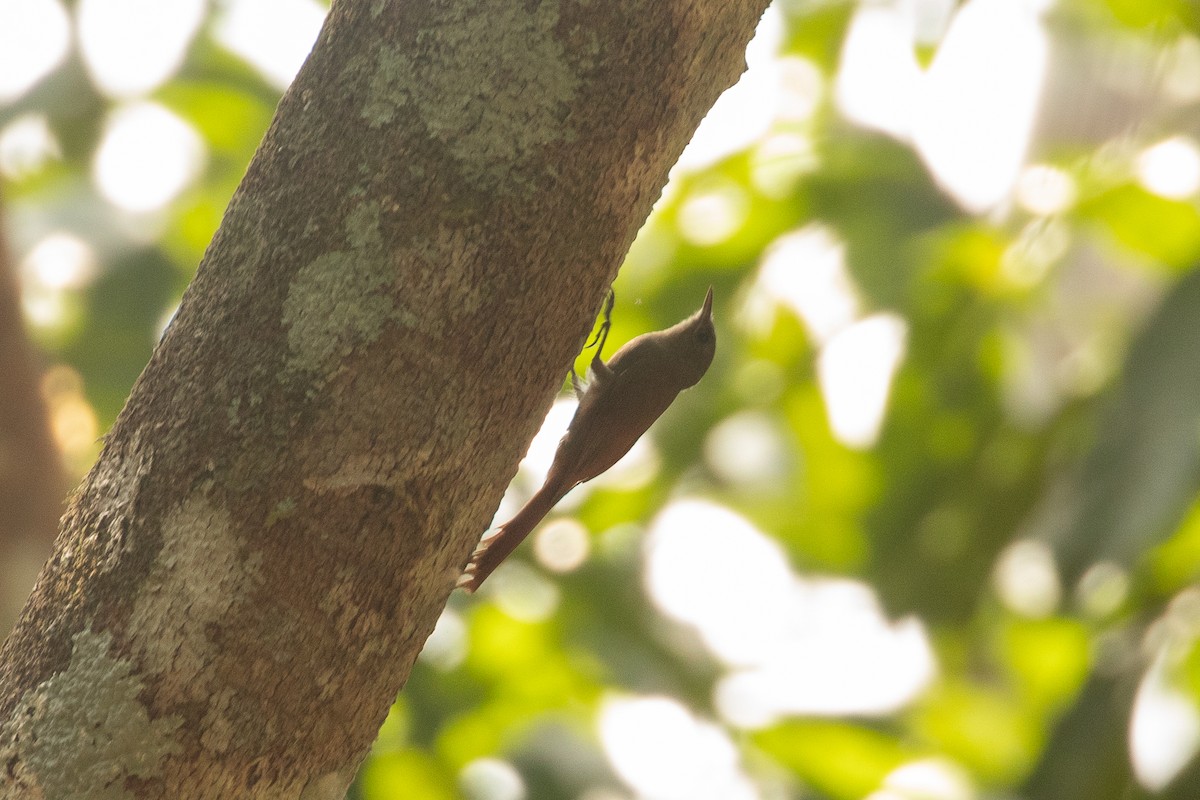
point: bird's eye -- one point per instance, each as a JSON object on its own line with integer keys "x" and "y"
{"x": 705, "y": 335}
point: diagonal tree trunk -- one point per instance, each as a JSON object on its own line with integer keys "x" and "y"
{"x": 279, "y": 514}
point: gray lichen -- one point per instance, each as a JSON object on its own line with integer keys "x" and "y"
{"x": 338, "y": 300}
{"x": 494, "y": 87}
{"x": 81, "y": 733}
{"x": 198, "y": 577}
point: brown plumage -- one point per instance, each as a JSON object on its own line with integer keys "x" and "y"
{"x": 623, "y": 399}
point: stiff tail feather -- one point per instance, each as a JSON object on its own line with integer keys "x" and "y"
{"x": 497, "y": 547}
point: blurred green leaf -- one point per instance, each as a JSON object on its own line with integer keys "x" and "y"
{"x": 1167, "y": 231}
{"x": 1175, "y": 563}
{"x": 1050, "y": 659}
{"x": 979, "y": 727}
{"x": 409, "y": 774}
{"x": 816, "y": 31}
{"x": 839, "y": 759}
{"x": 1143, "y": 470}
{"x": 834, "y": 486}
{"x": 1145, "y": 13}
{"x": 230, "y": 120}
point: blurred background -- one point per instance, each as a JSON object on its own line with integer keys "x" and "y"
{"x": 930, "y": 527}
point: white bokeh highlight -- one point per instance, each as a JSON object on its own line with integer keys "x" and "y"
{"x": 540, "y": 455}
{"x": 132, "y": 46}
{"x": 147, "y": 156}
{"x": 1026, "y": 579}
{"x": 879, "y": 80}
{"x": 522, "y": 593}
{"x": 855, "y": 372}
{"x": 978, "y": 103}
{"x": 792, "y": 645}
{"x": 664, "y": 752}
{"x": 927, "y": 779}
{"x": 44, "y": 308}
{"x": 971, "y": 113}
{"x": 712, "y": 215}
{"x": 806, "y": 271}
{"x": 34, "y": 35}
{"x": 746, "y": 449}
{"x": 780, "y": 161}
{"x": 561, "y": 545}
{"x": 59, "y": 261}
{"x": 1164, "y": 728}
{"x": 1044, "y": 190}
{"x": 241, "y": 25}
{"x": 1171, "y": 168}
{"x": 492, "y": 779}
{"x": 26, "y": 144}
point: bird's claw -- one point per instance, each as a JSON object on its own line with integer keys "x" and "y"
{"x": 466, "y": 581}
{"x": 469, "y": 580}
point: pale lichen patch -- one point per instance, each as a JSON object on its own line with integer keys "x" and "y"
{"x": 80, "y": 734}
{"x": 362, "y": 227}
{"x": 199, "y": 576}
{"x": 494, "y": 85}
{"x": 282, "y": 510}
{"x": 339, "y": 299}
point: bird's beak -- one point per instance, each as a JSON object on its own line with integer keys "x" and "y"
{"x": 706, "y": 309}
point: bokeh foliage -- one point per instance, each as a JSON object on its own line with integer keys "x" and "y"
{"x": 1103, "y": 465}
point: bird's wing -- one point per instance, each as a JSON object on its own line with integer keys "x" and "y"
{"x": 613, "y": 414}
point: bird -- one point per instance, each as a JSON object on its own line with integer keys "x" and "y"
{"x": 620, "y": 402}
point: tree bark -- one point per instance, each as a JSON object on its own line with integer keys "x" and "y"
{"x": 32, "y": 482}
{"x": 415, "y": 254}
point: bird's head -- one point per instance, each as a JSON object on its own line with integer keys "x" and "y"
{"x": 694, "y": 342}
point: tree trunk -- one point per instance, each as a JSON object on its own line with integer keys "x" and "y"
{"x": 416, "y": 252}
{"x": 32, "y": 483}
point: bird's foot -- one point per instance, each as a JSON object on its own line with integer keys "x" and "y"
{"x": 471, "y": 577}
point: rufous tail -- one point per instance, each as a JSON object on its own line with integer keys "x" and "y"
{"x": 497, "y": 547}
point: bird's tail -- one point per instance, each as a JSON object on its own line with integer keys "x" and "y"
{"x": 496, "y": 547}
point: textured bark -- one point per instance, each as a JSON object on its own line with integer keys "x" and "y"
{"x": 281, "y": 511}
{"x": 32, "y": 482}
